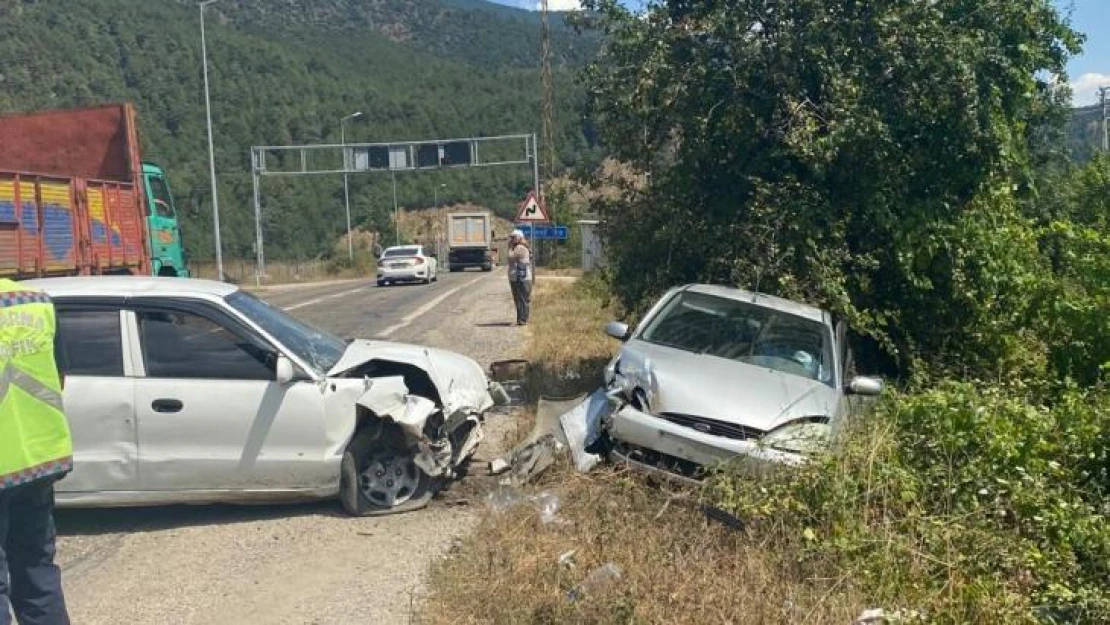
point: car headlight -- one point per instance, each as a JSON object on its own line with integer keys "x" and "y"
{"x": 801, "y": 437}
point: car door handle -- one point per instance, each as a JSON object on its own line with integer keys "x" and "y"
{"x": 167, "y": 405}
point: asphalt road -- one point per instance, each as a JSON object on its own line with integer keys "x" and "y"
{"x": 296, "y": 563}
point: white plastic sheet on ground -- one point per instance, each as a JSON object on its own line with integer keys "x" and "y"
{"x": 581, "y": 427}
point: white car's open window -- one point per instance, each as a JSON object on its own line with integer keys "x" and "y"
{"x": 180, "y": 344}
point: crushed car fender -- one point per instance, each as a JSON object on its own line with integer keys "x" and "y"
{"x": 389, "y": 398}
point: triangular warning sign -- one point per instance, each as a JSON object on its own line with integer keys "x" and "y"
{"x": 531, "y": 210}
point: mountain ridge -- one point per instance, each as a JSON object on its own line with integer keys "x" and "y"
{"x": 277, "y": 81}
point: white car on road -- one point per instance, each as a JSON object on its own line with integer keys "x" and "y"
{"x": 407, "y": 263}
{"x": 188, "y": 391}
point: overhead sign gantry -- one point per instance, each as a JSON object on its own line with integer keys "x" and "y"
{"x": 392, "y": 157}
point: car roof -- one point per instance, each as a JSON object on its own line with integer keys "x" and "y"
{"x": 761, "y": 299}
{"x": 131, "y": 286}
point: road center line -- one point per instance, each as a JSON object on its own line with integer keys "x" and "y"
{"x": 319, "y": 300}
{"x": 423, "y": 310}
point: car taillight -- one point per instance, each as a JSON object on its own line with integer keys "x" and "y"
{"x": 419, "y": 261}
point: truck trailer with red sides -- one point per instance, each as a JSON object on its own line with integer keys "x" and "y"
{"x": 76, "y": 198}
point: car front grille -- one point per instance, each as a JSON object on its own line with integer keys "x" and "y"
{"x": 713, "y": 427}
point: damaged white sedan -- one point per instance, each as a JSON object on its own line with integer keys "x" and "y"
{"x": 188, "y": 391}
{"x": 714, "y": 373}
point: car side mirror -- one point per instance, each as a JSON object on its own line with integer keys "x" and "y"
{"x": 285, "y": 371}
{"x": 617, "y": 330}
{"x": 862, "y": 385}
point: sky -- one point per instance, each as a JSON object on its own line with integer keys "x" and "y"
{"x": 1087, "y": 72}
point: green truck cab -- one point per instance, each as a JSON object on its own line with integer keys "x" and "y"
{"x": 167, "y": 250}
{"x": 76, "y": 198}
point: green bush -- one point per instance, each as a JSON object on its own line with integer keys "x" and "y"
{"x": 967, "y": 504}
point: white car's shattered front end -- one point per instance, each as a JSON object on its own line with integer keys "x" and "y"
{"x": 460, "y": 396}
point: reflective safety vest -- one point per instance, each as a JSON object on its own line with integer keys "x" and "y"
{"x": 34, "y": 435}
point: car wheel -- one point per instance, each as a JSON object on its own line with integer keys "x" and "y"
{"x": 379, "y": 476}
{"x": 487, "y": 268}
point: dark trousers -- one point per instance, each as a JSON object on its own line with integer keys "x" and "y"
{"x": 27, "y": 557}
{"x": 522, "y": 297}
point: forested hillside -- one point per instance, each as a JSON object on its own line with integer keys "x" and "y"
{"x": 285, "y": 73}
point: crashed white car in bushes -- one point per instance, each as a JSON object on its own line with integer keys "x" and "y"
{"x": 713, "y": 373}
{"x": 188, "y": 391}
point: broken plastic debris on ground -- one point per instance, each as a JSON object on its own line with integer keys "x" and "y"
{"x": 560, "y": 425}
{"x": 599, "y": 578}
{"x": 546, "y": 503}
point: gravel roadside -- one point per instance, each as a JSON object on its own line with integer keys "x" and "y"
{"x": 286, "y": 564}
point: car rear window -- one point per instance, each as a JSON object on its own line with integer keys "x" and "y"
{"x": 396, "y": 252}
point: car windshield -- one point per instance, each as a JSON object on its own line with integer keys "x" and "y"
{"x": 312, "y": 345}
{"x": 744, "y": 332}
{"x": 395, "y": 252}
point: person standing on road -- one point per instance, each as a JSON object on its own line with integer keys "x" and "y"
{"x": 35, "y": 451}
{"x": 520, "y": 276}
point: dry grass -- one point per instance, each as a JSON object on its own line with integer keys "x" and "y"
{"x": 563, "y": 272}
{"x": 567, "y": 345}
{"x": 676, "y": 566}
{"x": 242, "y": 272}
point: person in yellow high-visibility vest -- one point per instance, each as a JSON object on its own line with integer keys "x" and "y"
{"x": 35, "y": 451}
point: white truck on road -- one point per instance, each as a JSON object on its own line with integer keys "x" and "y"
{"x": 469, "y": 241}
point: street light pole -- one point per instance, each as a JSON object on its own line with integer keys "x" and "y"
{"x": 211, "y": 149}
{"x": 346, "y": 191}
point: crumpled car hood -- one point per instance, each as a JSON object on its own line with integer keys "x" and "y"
{"x": 725, "y": 390}
{"x": 461, "y": 382}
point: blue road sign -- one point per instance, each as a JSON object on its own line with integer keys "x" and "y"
{"x": 544, "y": 233}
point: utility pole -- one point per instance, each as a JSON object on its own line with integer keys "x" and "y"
{"x": 436, "y": 223}
{"x": 346, "y": 191}
{"x": 548, "y": 87}
{"x": 1102, "y": 96}
{"x": 396, "y": 212}
{"x": 548, "y": 106}
{"x": 211, "y": 149}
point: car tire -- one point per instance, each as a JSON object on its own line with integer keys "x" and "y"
{"x": 487, "y": 267}
{"x": 373, "y": 445}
